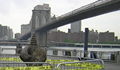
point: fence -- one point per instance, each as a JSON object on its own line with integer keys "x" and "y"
{"x": 96, "y": 64}
{"x": 55, "y": 60}
{"x": 73, "y": 52}
{"x": 13, "y": 62}
{"x": 23, "y": 66}
{"x": 78, "y": 52}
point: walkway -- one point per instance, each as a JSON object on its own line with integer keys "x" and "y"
{"x": 112, "y": 66}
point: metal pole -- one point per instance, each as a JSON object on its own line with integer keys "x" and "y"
{"x": 86, "y": 42}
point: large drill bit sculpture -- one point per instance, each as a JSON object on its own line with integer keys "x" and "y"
{"x": 33, "y": 53}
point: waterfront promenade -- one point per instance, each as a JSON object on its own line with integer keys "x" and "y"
{"x": 111, "y": 65}
{"x": 108, "y": 65}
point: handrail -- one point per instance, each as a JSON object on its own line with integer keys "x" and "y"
{"x": 80, "y": 62}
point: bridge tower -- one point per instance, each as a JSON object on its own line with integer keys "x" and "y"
{"x": 40, "y": 16}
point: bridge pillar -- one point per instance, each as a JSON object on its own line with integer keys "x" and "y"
{"x": 40, "y": 17}
{"x": 41, "y": 38}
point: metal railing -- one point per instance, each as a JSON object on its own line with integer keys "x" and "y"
{"x": 95, "y": 64}
{"x": 79, "y": 53}
{"x": 13, "y": 60}
{"x": 53, "y": 62}
{"x": 23, "y": 66}
{"x": 74, "y": 52}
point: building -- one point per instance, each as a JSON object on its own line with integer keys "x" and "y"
{"x": 93, "y": 36}
{"x": 25, "y": 28}
{"x": 106, "y": 36}
{"x": 17, "y": 35}
{"x": 116, "y": 38}
{"x": 10, "y": 33}
{"x": 58, "y": 36}
{"x": 0, "y": 31}
{"x": 75, "y": 37}
{"x": 76, "y": 26}
{"x": 6, "y": 33}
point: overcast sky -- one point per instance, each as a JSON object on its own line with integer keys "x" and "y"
{"x": 14, "y": 13}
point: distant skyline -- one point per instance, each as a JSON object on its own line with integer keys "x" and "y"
{"x": 14, "y": 13}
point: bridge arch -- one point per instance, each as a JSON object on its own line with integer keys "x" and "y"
{"x": 40, "y": 17}
{"x": 37, "y": 22}
{"x": 43, "y": 20}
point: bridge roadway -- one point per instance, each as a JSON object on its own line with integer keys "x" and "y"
{"x": 97, "y": 8}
